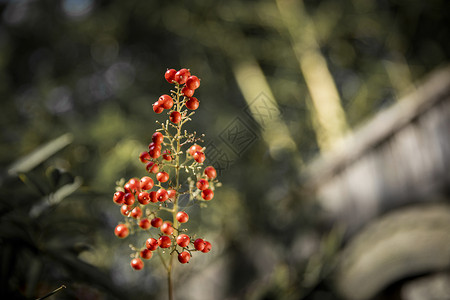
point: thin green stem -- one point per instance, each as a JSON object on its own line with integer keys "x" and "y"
{"x": 53, "y": 292}
{"x": 177, "y": 183}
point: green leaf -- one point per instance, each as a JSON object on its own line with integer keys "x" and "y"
{"x": 41, "y": 154}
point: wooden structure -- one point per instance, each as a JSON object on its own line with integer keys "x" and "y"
{"x": 389, "y": 185}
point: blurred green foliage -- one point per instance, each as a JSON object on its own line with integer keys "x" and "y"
{"x": 92, "y": 69}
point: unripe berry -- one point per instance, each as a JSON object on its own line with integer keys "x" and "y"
{"x": 137, "y": 264}
{"x": 164, "y": 241}
{"x": 182, "y": 217}
{"x": 184, "y": 257}
{"x": 183, "y": 240}
{"x": 121, "y": 231}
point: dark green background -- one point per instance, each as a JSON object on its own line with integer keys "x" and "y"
{"x": 93, "y": 68}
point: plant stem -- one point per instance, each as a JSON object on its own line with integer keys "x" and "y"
{"x": 175, "y": 203}
{"x": 169, "y": 278}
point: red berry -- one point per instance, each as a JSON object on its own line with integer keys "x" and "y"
{"x": 134, "y": 185}
{"x": 172, "y": 194}
{"x": 182, "y": 75}
{"x": 164, "y": 241}
{"x": 187, "y": 92}
{"x": 156, "y": 222}
{"x": 202, "y": 184}
{"x": 182, "y": 217}
{"x": 166, "y": 155}
{"x": 175, "y": 117}
{"x": 146, "y": 183}
{"x": 137, "y": 263}
{"x": 207, "y": 247}
{"x": 157, "y": 108}
{"x": 154, "y": 152}
{"x": 170, "y": 75}
{"x": 126, "y": 187}
{"x": 129, "y": 199}
{"x": 210, "y": 172}
{"x": 136, "y": 212}
{"x": 144, "y": 157}
{"x": 162, "y": 195}
{"x": 154, "y": 145}
{"x": 124, "y": 210}
{"x": 183, "y": 240}
{"x": 199, "y": 244}
{"x": 157, "y": 138}
{"x": 192, "y": 103}
{"x": 146, "y": 254}
{"x": 121, "y": 231}
{"x": 152, "y": 244}
{"x": 162, "y": 176}
{"x": 184, "y": 257}
{"x": 153, "y": 197}
{"x": 167, "y": 228}
{"x": 152, "y": 167}
{"x": 119, "y": 197}
{"x": 193, "y": 82}
{"x": 144, "y": 224}
{"x": 194, "y": 148}
{"x": 207, "y": 194}
{"x": 165, "y": 101}
{"x": 199, "y": 157}
{"x": 144, "y": 198}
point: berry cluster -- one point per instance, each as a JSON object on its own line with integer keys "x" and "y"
{"x": 143, "y": 201}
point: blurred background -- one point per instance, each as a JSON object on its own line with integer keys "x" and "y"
{"x": 283, "y": 82}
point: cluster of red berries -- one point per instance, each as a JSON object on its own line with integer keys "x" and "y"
{"x": 188, "y": 86}
{"x": 142, "y": 199}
